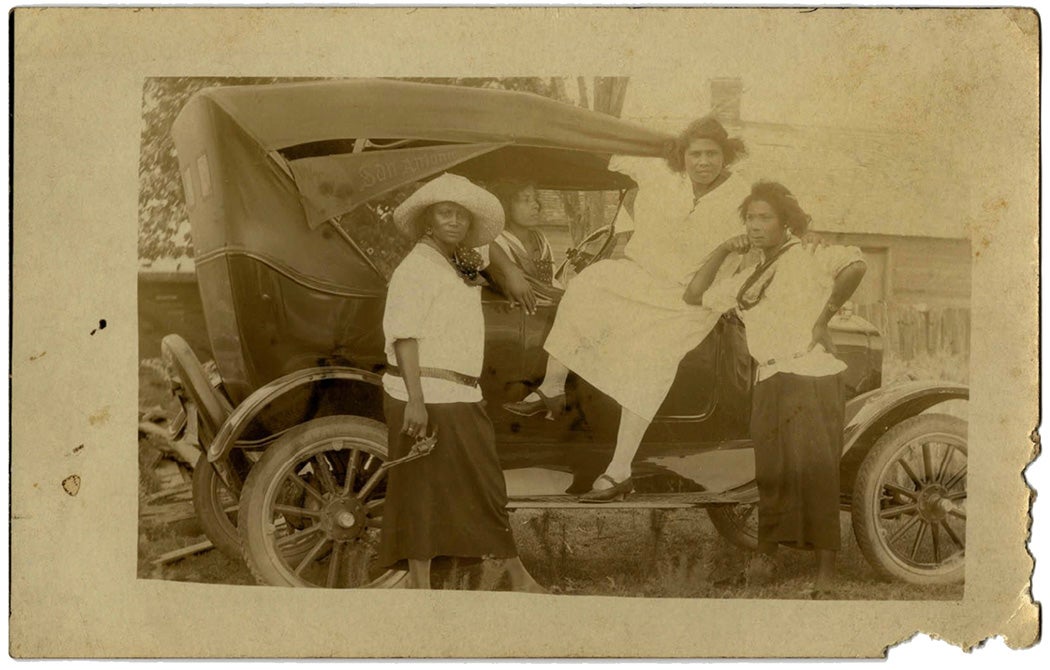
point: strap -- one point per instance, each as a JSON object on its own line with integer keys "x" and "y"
{"x": 438, "y": 373}
{"x": 762, "y": 272}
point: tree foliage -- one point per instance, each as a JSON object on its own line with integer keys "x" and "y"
{"x": 163, "y": 224}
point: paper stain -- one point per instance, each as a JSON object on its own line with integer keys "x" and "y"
{"x": 71, "y": 484}
{"x": 995, "y": 204}
{"x": 77, "y": 448}
{"x": 40, "y": 355}
{"x": 100, "y": 416}
{"x": 101, "y": 326}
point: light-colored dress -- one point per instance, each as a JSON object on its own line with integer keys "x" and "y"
{"x": 622, "y": 324}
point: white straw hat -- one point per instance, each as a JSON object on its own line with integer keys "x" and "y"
{"x": 485, "y": 208}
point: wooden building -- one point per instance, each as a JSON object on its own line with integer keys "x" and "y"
{"x": 890, "y": 193}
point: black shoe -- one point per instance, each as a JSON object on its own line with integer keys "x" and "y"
{"x": 615, "y": 493}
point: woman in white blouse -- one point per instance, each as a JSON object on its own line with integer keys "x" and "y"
{"x": 786, "y": 301}
{"x": 453, "y": 501}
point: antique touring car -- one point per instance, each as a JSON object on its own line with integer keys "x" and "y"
{"x": 289, "y": 189}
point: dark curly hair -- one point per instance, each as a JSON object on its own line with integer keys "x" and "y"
{"x": 705, "y": 128}
{"x": 507, "y": 189}
{"x": 783, "y": 203}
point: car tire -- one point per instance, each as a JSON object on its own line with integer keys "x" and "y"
{"x": 908, "y": 506}
{"x": 186, "y": 367}
{"x": 301, "y": 523}
{"x": 216, "y": 508}
{"x": 736, "y": 523}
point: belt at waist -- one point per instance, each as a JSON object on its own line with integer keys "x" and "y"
{"x": 438, "y": 373}
{"x": 773, "y": 362}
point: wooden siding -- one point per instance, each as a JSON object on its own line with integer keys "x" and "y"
{"x": 929, "y": 271}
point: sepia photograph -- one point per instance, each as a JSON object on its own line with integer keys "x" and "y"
{"x": 635, "y": 330}
{"x": 638, "y": 438}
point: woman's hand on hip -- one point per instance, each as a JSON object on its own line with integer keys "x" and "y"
{"x": 415, "y": 422}
{"x": 822, "y": 336}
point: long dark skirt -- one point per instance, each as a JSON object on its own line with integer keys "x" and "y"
{"x": 451, "y": 502}
{"x": 797, "y": 424}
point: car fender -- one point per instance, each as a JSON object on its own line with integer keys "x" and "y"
{"x": 246, "y": 412}
{"x": 871, "y": 414}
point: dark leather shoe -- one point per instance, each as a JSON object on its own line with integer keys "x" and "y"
{"x": 615, "y": 493}
{"x": 554, "y": 406}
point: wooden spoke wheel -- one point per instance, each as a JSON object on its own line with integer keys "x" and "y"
{"x": 311, "y": 509}
{"x": 909, "y": 501}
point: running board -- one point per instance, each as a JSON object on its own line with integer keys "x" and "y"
{"x": 633, "y": 501}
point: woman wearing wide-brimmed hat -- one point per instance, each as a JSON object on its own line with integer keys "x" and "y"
{"x": 453, "y": 501}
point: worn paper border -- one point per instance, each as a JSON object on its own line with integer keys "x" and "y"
{"x": 77, "y": 105}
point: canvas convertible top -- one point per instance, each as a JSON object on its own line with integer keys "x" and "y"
{"x": 285, "y": 115}
{"x": 344, "y": 142}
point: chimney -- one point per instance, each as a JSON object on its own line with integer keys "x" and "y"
{"x": 725, "y": 99}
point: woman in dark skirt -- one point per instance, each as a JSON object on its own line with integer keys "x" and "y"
{"x": 786, "y": 301}
{"x": 451, "y": 502}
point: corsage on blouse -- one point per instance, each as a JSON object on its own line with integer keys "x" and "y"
{"x": 468, "y": 264}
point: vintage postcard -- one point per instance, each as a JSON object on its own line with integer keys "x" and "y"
{"x": 593, "y": 332}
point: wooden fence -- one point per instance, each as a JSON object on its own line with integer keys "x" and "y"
{"x": 914, "y": 330}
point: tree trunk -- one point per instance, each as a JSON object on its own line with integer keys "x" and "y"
{"x": 609, "y": 94}
{"x": 586, "y": 212}
{"x": 581, "y": 83}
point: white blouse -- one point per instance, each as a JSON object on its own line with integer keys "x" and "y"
{"x": 673, "y": 235}
{"x": 780, "y": 327}
{"x": 428, "y": 301}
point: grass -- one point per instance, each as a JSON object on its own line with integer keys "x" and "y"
{"x": 653, "y": 554}
{"x": 678, "y": 553}
{"x": 210, "y": 567}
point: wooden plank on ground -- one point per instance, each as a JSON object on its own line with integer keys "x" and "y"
{"x": 179, "y": 554}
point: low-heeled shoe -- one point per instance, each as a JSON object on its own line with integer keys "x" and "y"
{"x": 554, "y": 406}
{"x": 615, "y": 493}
